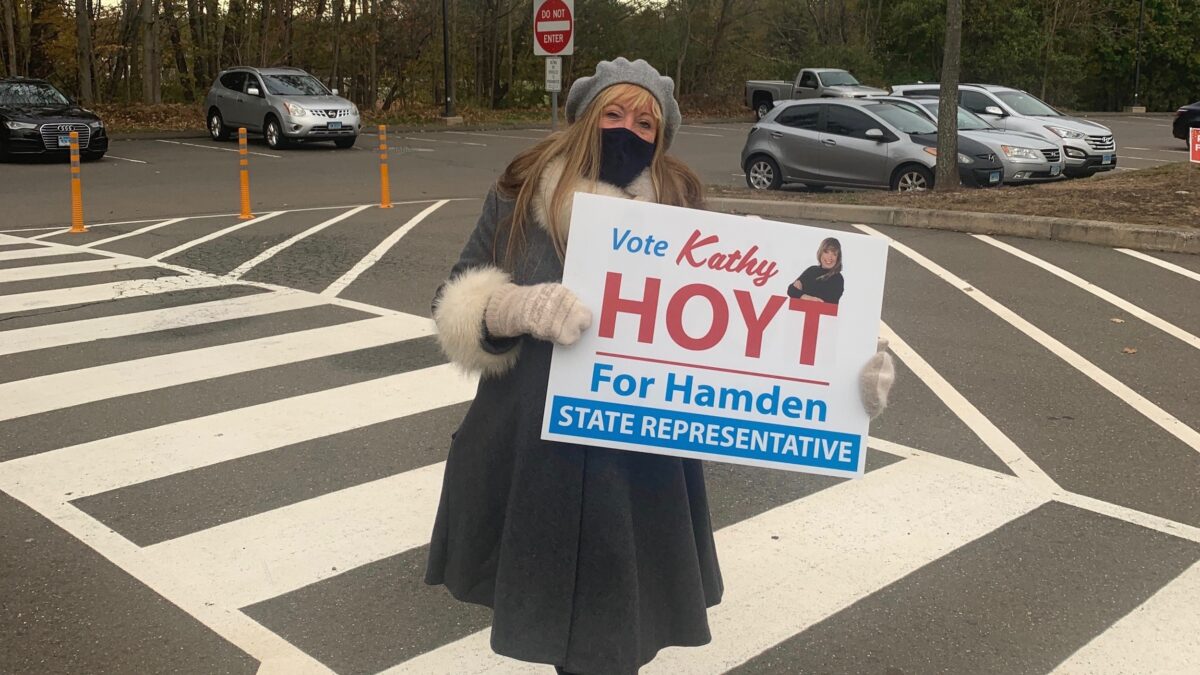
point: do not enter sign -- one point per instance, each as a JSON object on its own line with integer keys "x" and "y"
{"x": 553, "y": 27}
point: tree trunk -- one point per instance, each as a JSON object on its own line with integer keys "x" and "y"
{"x": 151, "y": 72}
{"x": 288, "y": 16}
{"x": 264, "y": 24}
{"x": 335, "y": 78}
{"x": 83, "y": 51}
{"x": 947, "y": 157}
{"x": 9, "y": 9}
{"x": 185, "y": 82}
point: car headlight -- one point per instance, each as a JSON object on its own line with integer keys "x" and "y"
{"x": 1019, "y": 154}
{"x": 963, "y": 159}
{"x": 20, "y": 125}
{"x": 354, "y": 110}
{"x": 295, "y": 109}
{"x": 97, "y": 124}
{"x": 1066, "y": 133}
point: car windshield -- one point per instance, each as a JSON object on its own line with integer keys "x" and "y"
{"x": 905, "y": 121}
{"x": 30, "y": 94}
{"x": 1025, "y": 104}
{"x": 967, "y": 120}
{"x": 837, "y": 79}
{"x": 294, "y": 85}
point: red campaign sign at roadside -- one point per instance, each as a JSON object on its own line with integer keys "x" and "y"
{"x": 1194, "y": 143}
{"x": 554, "y": 27}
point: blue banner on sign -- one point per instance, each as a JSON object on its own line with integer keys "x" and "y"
{"x": 602, "y": 420}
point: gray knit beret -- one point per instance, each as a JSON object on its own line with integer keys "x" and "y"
{"x": 622, "y": 71}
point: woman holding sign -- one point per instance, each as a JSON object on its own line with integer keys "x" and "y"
{"x": 591, "y": 559}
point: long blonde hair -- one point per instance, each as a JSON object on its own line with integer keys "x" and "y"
{"x": 579, "y": 147}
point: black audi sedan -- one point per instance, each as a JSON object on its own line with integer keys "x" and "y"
{"x": 1185, "y": 118}
{"x": 37, "y": 119}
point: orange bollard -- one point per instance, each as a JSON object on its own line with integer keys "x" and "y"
{"x": 385, "y": 192}
{"x": 76, "y": 188}
{"x": 244, "y": 160}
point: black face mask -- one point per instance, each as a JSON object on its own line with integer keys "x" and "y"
{"x": 623, "y": 156}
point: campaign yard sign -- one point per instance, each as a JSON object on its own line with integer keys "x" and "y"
{"x": 717, "y": 337}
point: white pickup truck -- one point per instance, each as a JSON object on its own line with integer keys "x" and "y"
{"x": 761, "y": 95}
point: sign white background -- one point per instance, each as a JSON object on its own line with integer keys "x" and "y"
{"x": 553, "y": 73}
{"x": 845, "y": 342}
{"x": 547, "y": 19}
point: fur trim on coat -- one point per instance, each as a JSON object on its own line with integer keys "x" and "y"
{"x": 641, "y": 189}
{"x": 459, "y": 317}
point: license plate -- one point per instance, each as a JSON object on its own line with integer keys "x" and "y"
{"x": 1055, "y": 170}
{"x": 994, "y": 177}
{"x": 335, "y": 125}
{"x": 64, "y": 141}
{"x": 1106, "y": 159}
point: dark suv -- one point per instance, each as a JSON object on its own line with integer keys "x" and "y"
{"x": 1186, "y": 118}
{"x": 37, "y": 119}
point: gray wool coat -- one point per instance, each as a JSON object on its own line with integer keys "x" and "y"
{"x": 591, "y": 559}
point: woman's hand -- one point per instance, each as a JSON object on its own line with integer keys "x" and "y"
{"x": 545, "y": 311}
{"x": 810, "y": 297}
{"x": 797, "y": 285}
{"x": 875, "y": 380}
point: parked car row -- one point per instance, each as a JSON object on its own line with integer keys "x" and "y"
{"x": 1030, "y": 140}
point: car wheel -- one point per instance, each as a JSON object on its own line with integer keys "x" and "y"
{"x": 912, "y": 178}
{"x": 274, "y": 135}
{"x": 344, "y": 143}
{"x": 762, "y": 108}
{"x": 91, "y": 156}
{"x": 762, "y": 173}
{"x": 216, "y": 126}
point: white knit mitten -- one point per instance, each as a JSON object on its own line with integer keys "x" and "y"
{"x": 876, "y": 378}
{"x": 545, "y": 311}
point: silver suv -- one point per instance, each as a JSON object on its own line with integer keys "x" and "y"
{"x": 1089, "y": 147}
{"x": 285, "y": 105}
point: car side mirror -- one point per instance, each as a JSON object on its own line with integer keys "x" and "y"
{"x": 877, "y": 134}
{"x": 993, "y": 110}
{"x": 334, "y": 92}
{"x": 253, "y": 91}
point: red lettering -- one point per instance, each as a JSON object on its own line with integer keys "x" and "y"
{"x": 694, "y": 242}
{"x": 720, "y": 320}
{"x": 646, "y": 309}
{"x": 756, "y": 324}
{"x": 813, "y": 311}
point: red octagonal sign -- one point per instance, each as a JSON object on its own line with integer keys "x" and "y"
{"x": 553, "y": 28}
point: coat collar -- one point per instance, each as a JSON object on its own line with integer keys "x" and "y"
{"x": 641, "y": 189}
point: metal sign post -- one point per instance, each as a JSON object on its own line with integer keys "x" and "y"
{"x": 554, "y": 38}
{"x": 554, "y": 86}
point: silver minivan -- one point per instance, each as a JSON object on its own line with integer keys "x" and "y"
{"x": 1027, "y": 158}
{"x": 862, "y": 143}
{"x": 285, "y": 105}
{"x": 1089, "y": 147}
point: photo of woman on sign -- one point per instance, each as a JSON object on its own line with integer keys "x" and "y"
{"x": 822, "y": 281}
{"x": 591, "y": 559}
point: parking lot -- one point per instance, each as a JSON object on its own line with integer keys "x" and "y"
{"x": 193, "y": 175}
{"x": 222, "y": 441}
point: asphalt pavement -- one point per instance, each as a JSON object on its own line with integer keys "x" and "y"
{"x": 222, "y": 441}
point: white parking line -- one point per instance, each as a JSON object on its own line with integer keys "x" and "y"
{"x": 126, "y": 159}
{"x": 209, "y": 237}
{"x": 271, "y": 252}
{"x": 378, "y": 252}
{"x": 134, "y": 233}
{"x": 693, "y": 133}
{"x": 1162, "y": 263}
{"x": 437, "y": 140}
{"x": 470, "y": 133}
{"x": 712, "y": 126}
{"x": 1130, "y": 147}
{"x": 1165, "y": 326}
{"x": 209, "y": 147}
{"x": 1147, "y": 159}
{"x": 1168, "y": 422}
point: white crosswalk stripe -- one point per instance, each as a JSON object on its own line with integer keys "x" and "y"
{"x": 850, "y": 540}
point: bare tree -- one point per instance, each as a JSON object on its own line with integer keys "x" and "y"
{"x": 9, "y": 9}
{"x": 947, "y": 157}
{"x": 151, "y": 71}
{"x": 83, "y": 51}
{"x": 173, "y": 32}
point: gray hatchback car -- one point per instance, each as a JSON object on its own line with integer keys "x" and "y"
{"x": 285, "y": 105}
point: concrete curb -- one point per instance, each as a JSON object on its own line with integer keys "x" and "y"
{"x": 1100, "y": 233}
